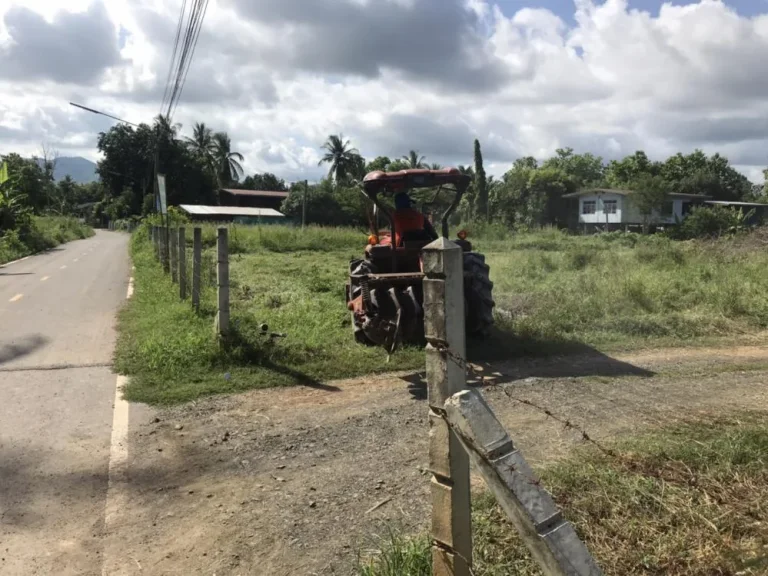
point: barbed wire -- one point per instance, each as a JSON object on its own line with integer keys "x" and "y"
{"x": 567, "y": 424}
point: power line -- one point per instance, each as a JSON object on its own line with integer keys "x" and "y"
{"x": 101, "y": 113}
{"x": 173, "y": 56}
{"x": 191, "y": 55}
{"x": 179, "y": 69}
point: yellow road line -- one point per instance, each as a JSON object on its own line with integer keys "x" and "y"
{"x": 16, "y": 298}
{"x": 44, "y": 278}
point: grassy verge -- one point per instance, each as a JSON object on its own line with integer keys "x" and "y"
{"x": 44, "y": 233}
{"x": 278, "y": 277}
{"x": 687, "y": 500}
{"x": 555, "y": 293}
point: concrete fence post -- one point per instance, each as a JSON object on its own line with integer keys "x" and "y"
{"x": 166, "y": 252}
{"x": 183, "y": 263}
{"x": 551, "y": 539}
{"x": 174, "y": 263}
{"x": 448, "y": 461}
{"x": 222, "y": 283}
{"x": 197, "y": 263}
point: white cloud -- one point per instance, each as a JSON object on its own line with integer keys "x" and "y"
{"x": 280, "y": 75}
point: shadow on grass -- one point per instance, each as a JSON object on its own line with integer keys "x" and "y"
{"x": 505, "y": 356}
{"x": 244, "y": 345}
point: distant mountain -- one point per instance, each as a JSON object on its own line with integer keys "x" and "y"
{"x": 78, "y": 168}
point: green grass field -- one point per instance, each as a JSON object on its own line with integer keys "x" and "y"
{"x": 46, "y": 232}
{"x": 688, "y": 500}
{"x": 552, "y": 291}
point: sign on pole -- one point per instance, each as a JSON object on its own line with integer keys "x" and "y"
{"x": 161, "y": 188}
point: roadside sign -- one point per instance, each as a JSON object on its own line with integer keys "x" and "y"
{"x": 161, "y": 188}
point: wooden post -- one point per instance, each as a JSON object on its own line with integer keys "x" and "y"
{"x": 553, "y": 542}
{"x": 448, "y": 461}
{"x": 174, "y": 242}
{"x": 304, "y": 205}
{"x": 153, "y": 237}
{"x": 222, "y": 283}
{"x": 197, "y": 262}
{"x": 182, "y": 263}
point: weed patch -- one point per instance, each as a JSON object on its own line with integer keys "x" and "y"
{"x": 686, "y": 500}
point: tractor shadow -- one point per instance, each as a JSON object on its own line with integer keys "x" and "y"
{"x": 505, "y": 357}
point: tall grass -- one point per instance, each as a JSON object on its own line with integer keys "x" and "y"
{"x": 624, "y": 289}
{"x": 44, "y": 233}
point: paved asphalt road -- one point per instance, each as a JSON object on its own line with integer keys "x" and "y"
{"x": 57, "y": 317}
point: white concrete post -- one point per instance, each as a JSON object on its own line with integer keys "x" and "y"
{"x": 222, "y": 282}
{"x": 448, "y": 461}
{"x": 174, "y": 241}
{"x": 165, "y": 249}
{"x": 182, "y": 263}
{"x": 197, "y": 260}
{"x": 553, "y": 542}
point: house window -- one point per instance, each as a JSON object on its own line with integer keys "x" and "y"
{"x": 589, "y": 207}
{"x": 609, "y": 206}
{"x": 667, "y": 210}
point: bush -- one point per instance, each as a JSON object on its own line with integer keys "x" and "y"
{"x": 711, "y": 222}
{"x": 40, "y": 233}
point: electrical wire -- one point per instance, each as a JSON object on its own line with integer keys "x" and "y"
{"x": 182, "y": 64}
{"x": 173, "y": 55}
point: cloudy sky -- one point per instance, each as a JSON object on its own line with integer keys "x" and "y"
{"x": 523, "y": 76}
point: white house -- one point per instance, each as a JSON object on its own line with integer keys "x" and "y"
{"x": 601, "y": 206}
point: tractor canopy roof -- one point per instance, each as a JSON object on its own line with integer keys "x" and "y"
{"x": 393, "y": 182}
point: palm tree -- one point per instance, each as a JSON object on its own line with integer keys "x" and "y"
{"x": 340, "y": 155}
{"x": 164, "y": 129}
{"x": 201, "y": 144}
{"x": 413, "y": 160}
{"x": 435, "y": 166}
{"x": 226, "y": 162}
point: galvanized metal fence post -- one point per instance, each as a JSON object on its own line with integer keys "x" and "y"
{"x": 174, "y": 241}
{"x": 183, "y": 263}
{"x": 448, "y": 461}
{"x": 197, "y": 257}
{"x": 222, "y": 282}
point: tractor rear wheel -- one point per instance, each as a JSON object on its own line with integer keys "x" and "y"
{"x": 478, "y": 294}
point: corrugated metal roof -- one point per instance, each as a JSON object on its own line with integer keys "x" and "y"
{"x": 258, "y": 193}
{"x": 229, "y": 211}
{"x": 729, "y": 203}
{"x": 590, "y": 191}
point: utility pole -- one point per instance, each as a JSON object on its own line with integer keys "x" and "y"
{"x": 304, "y": 205}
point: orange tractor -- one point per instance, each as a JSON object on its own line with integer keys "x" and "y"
{"x": 384, "y": 292}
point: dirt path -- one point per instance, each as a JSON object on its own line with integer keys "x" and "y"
{"x": 283, "y": 482}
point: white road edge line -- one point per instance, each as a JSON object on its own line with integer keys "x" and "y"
{"x": 15, "y": 261}
{"x": 118, "y": 458}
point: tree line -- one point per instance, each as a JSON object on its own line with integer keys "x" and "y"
{"x": 530, "y": 193}
{"x": 197, "y": 167}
